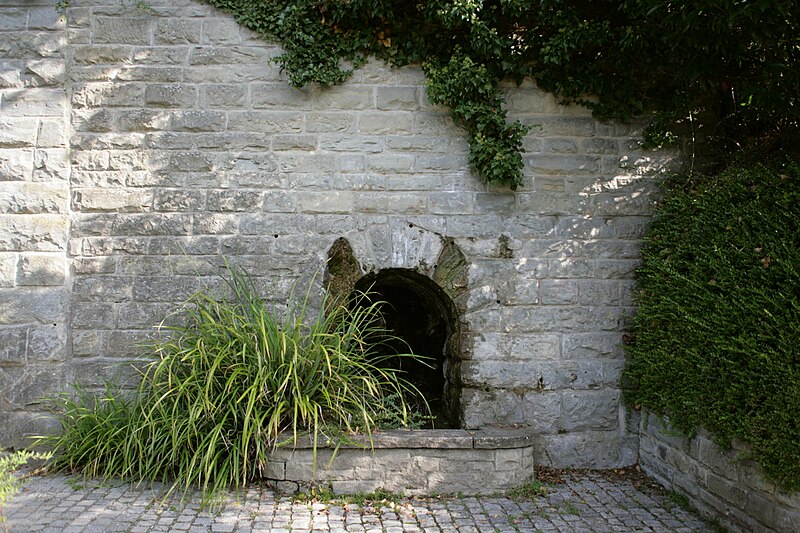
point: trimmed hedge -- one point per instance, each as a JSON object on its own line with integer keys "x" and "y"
{"x": 715, "y": 341}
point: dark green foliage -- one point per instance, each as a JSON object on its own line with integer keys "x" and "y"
{"x": 228, "y": 382}
{"x": 722, "y": 71}
{"x": 716, "y": 338}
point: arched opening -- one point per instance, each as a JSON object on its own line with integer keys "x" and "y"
{"x": 418, "y": 311}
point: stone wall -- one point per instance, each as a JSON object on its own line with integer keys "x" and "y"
{"x": 420, "y": 462}
{"x": 141, "y": 146}
{"x": 718, "y": 482}
{"x": 34, "y": 213}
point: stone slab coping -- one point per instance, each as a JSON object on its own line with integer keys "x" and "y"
{"x": 480, "y": 439}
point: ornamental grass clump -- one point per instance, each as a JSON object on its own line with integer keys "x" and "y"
{"x": 227, "y": 387}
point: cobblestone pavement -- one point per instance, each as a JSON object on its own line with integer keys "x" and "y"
{"x": 586, "y": 502}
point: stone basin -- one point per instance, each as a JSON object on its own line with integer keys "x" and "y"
{"x": 412, "y": 462}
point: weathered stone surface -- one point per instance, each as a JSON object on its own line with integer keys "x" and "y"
{"x": 441, "y": 461}
{"x": 186, "y": 143}
{"x": 41, "y": 269}
{"x": 594, "y": 449}
{"x": 717, "y": 482}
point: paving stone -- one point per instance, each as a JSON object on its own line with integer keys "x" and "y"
{"x": 585, "y": 502}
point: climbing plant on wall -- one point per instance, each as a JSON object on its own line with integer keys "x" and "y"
{"x": 729, "y": 65}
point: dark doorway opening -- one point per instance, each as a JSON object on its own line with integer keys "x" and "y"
{"x": 418, "y": 311}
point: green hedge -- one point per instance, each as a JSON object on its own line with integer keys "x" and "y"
{"x": 716, "y": 338}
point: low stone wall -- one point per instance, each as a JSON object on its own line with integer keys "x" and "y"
{"x": 411, "y": 462}
{"x": 717, "y": 481}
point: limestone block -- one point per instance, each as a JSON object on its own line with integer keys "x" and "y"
{"x": 92, "y": 120}
{"x": 498, "y": 374}
{"x": 240, "y": 57}
{"x": 591, "y": 410}
{"x": 50, "y": 134}
{"x": 165, "y": 289}
{"x": 630, "y": 227}
{"x": 450, "y": 202}
{"x": 221, "y": 31}
{"x": 542, "y": 411}
{"x": 307, "y": 143}
{"x": 281, "y": 96}
{"x": 108, "y": 94}
{"x": 628, "y": 202}
{"x": 183, "y": 246}
{"x": 345, "y": 97}
{"x": 108, "y": 246}
{"x": 530, "y": 101}
{"x": 599, "y": 145}
{"x": 17, "y": 132}
{"x": 129, "y": 344}
{"x": 559, "y": 145}
{"x": 234, "y": 200}
{"x": 98, "y": 372}
{"x": 27, "y": 387}
{"x": 33, "y": 198}
{"x": 417, "y": 143}
{"x": 33, "y": 232}
{"x": 212, "y": 224}
{"x": 561, "y": 165}
{"x": 223, "y": 95}
{"x": 549, "y": 126}
{"x": 490, "y": 408}
{"x": 47, "y": 343}
{"x": 8, "y": 269}
{"x": 277, "y": 224}
{"x": 102, "y": 289}
{"x": 558, "y": 292}
{"x": 41, "y": 269}
{"x": 598, "y": 292}
{"x": 117, "y": 199}
{"x": 32, "y": 44}
{"x": 265, "y": 121}
{"x": 178, "y": 200}
{"x": 391, "y": 202}
{"x": 333, "y": 202}
{"x": 592, "y": 345}
{"x": 577, "y": 375}
{"x": 404, "y": 98}
{"x": 170, "y": 95}
{"x": 15, "y": 165}
{"x": 151, "y": 224}
{"x": 13, "y": 345}
{"x": 144, "y": 265}
{"x": 50, "y": 164}
{"x": 351, "y": 144}
{"x": 33, "y": 102}
{"x": 395, "y": 123}
{"x": 615, "y": 268}
{"x": 22, "y": 426}
{"x": 86, "y": 315}
{"x": 508, "y": 460}
{"x": 552, "y": 203}
{"x": 586, "y": 227}
{"x": 122, "y": 30}
{"x": 330, "y": 122}
{"x": 101, "y": 54}
{"x": 143, "y": 120}
{"x": 174, "y": 55}
{"x": 591, "y": 449}
{"x": 13, "y": 19}
{"x": 177, "y": 31}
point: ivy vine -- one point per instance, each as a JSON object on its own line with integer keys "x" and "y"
{"x": 732, "y": 64}
{"x": 465, "y": 49}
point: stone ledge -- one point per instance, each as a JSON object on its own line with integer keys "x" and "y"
{"x": 409, "y": 461}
